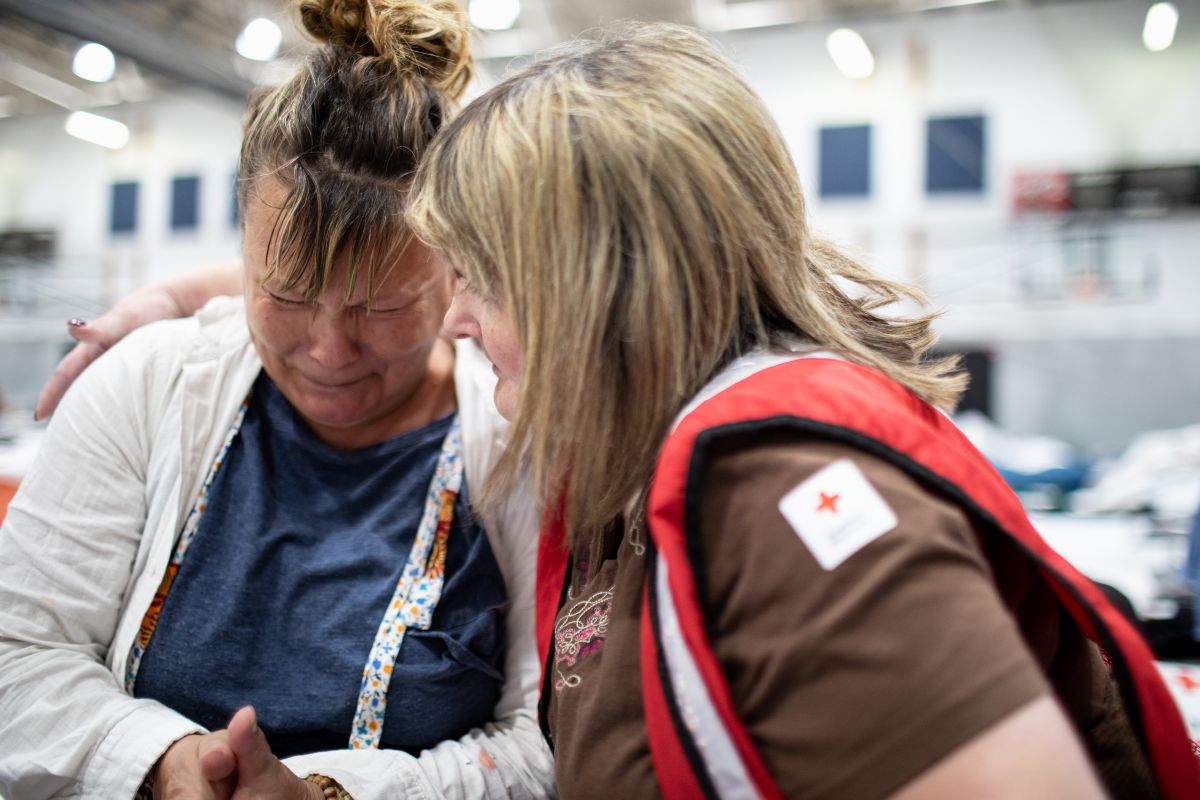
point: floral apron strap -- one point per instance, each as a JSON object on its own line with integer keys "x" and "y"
{"x": 190, "y": 526}
{"x": 417, "y": 592}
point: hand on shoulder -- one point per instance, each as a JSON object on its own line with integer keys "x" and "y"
{"x": 177, "y": 297}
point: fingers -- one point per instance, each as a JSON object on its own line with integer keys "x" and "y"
{"x": 119, "y": 321}
{"x": 63, "y": 376}
{"x": 94, "y": 338}
{"x": 92, "y": 333}
{"x": 217, "y": 761}
{"x": 256, "y": 763}
{"x": 181, "y": 774}
{"x": 260, "y": 774}
{"x": 243, "y": 727}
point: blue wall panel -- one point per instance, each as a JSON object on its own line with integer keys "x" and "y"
{"x": 955, "y": 155}
{"x": 845, "y": 168}
{"x": 185, "y": 203}
{"x": 123, "y": 219}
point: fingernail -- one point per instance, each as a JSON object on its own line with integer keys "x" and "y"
{"x": 76, "y": 322}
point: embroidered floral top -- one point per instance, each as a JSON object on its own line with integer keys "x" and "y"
{"x": 594, "y": 669}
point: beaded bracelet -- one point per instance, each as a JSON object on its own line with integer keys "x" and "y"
{"x": 331, "y": 788}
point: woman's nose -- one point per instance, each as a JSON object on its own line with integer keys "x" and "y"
{"x": 332, "y": 339}
{"x": 460, "y": 321}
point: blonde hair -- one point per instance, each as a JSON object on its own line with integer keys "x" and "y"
{"x": 631, "y": 203}
{"x": 345, "y": 133}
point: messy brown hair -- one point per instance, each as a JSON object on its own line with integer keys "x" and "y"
{"x": 345, "y": 133}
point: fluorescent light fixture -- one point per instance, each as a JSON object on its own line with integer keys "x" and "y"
{"x": 850, "y": 53}
{"x": 939, "y": 4}
{"x": 494, "y": 15}
{"x": 94, "y": 62}
{"x": 259, "y": 40}
{"x": 97, "y": 130}
{"x": 1159, "y": 30}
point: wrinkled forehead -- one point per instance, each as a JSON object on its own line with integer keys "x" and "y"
{"x": 324, "y": 231}
{"x": 264, "y": 202}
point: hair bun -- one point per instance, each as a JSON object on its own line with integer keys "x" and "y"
{"x": 430, "y": 40}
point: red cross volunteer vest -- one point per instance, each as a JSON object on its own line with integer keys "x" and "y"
{"x": 698, "y": 745}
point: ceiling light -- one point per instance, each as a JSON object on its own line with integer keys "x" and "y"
{"x": 1159, "y": 30}
{"x": 938, "y": 4}
{"x": 259, "y": 40}
{"x": 494, "y": 15}
{"x": 94, "y": 62}
{"x": 97, "y": 130}
{"x": 850, "y": 53}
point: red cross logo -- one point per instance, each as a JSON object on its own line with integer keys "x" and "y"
{"x": 828, "y": 502}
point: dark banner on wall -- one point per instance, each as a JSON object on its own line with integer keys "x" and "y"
{"x": 1134, "y": 190}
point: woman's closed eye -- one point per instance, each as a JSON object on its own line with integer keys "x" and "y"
{"x": 284, "y": 300}
{"x": 387, "y": 306}
{"x": 461, "y": 284}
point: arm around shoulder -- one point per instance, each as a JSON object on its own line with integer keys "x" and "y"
{"x": 180, "y": 296}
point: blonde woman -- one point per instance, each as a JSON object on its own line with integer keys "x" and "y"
{"x": 268, "y": 504}
{"x": 777, "y": 569}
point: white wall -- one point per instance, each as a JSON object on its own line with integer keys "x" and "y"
{"x": 49, "y": 180}
{"x": 1063, "y": 86}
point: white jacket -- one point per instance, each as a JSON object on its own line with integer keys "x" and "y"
{"x": 88, "y": 537}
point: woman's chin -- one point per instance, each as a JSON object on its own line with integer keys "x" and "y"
{"x": 345, "y": 413}
{"x": 506, "y": 400}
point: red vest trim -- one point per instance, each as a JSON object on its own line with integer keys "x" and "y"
{"x": 695, "y": 735}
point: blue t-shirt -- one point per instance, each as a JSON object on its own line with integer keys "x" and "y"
{"x": 281, "y": 591}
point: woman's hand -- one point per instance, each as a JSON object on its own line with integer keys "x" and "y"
{"x": 140, "y": 308}
{"x": 260, "y": 775}
{"x": 197, "y": 767}
{"x": 233, "y": 764}
{"x": 180, "y": 296}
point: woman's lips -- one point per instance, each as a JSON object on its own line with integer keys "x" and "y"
{"x": 332, "y": 386}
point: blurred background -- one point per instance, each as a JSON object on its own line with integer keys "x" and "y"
{"x": 1033, "y": 164}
